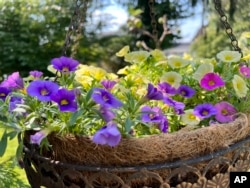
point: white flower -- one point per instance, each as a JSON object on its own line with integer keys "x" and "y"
{"x": 240, "y": 86}
{"x": 229, "y": 56}
{"x": 173, "y": 78}
{"x": 177, "y": 62}
{"x": 189, "y": 118}
{"x": 202, "y": 70}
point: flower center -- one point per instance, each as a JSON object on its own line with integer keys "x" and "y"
{"x": 44, "y": 92}
{"x": 2, "y": 94}
{"x": 171, "y": 80}
{"x": 177, "y": 64}
{"x": 64, "y": 102}
{"x": 65, "y": 69}
{"x": 211, "y": 83}
{"x": 192, "y": 117}
{"x": 204, "y": 112}
{"x": 224, "y": 112}
{"x": 183, "y": 93}
{"x": 228, "y": 57}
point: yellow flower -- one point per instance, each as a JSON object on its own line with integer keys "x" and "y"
{"x": 158, "y": 55}
{"x": 136, "y": 57}
{"x": 240, "y": 86}
{"x": 173, "y": 78}
{"x": 202, "y": 70}
{"x": 247, "y": 57}
{"x": 229, "y": 56}
{"x": 94, "y": 72}
{"x": 123, "y": 51}
{"x": 86, "y": 81}
{"x": 189, "y": 118}
{"x": 177, "y": 62}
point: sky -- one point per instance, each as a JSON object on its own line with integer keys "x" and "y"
{"x": 188, "y": 27}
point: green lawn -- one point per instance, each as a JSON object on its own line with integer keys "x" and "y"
{"x": 11, "y": 175}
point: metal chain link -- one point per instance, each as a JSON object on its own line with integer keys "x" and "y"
{"x": 228, "y": 28}
{"x": 153, "y": 21}
{"x": 76, "y": 24}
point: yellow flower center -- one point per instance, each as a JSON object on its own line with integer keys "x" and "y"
{"x": 204, "y": 112}
{"x": 64, "y": 102}
{"x": 177, "y": 64}
{"x": 228, "y": 57}
{"x": 2, "y": 95}
{"x": 65, "y": 69}
{"x": 171, "y": 80}
{"x": 192, "y": 117}
{"x": 44, "y": 92}
{"x": 224, "y": 112}
{"x": 211, "y": 83}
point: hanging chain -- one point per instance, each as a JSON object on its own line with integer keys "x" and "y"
{"x": 76, "y": 24}
{"x": 228, "y": 28}
{"x": 153, "y": 21}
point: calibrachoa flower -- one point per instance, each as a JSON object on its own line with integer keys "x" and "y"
{"x": 39, "y": 136}
{"x": 178, "y": 106}
{"x": 202, "y": 70}
{"x": 177, "y": 62}
{"x": 107, "y": 113}
{"x": 204, "y": 110}
{"x": 186, "y": 91}
{"x": 109, "y": 134}
{"x": 36, "y": 74}
{"x": 108, "y": 84}
{"x": 188, "y": 118}
{"x": 64, "y": 64}
{"x": 14, "y": 101}
{"x": 165, "y": 87}
{"x": 173, "y": 78}
{"x": 4, "y": 91}
{"x": 211, "y": 81}
{"x": 229, "y": 56}
{"x": 14, "y": 81}
{"x": 65, "y": 100}
{"x": 104, "y": 98}
{"x": 225, "y": 112}
{"x": 42, "y": 89}
{"x": 153, "y": 93}
{"x": 240, "y": 86}
{"x": 245, "y": 71}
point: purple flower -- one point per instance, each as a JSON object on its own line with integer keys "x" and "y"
{"x": 186, "y": 91}
{"x": 244, "y": 70}
{"x": 108, "y": 134}
{"x": 64, "y": 64}
{"x": 153, "y": 93}
{"x": 42, "y": 89}
{"x": 14, "y": 101}
{"x": 166, "y": 88}
{"x": 14, "y": 81}
{"x": 65, "y": 100}
{"x": 36, "y": 74}
{"x": 104, "y": 98}
{"x": 204, "y": 110}
{"x": 225, "y": 112}
{"x": 38, "y": 137}
{"x": 211, "y": 81}
{"x": 108, "y": 84}
{"x": 107, "y": 114}
{"x": 4, "y": 91}
{"x": 154, "y": 115}
{"x": 178, "y": 106}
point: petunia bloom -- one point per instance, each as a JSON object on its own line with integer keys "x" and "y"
{"x": 14, "y": 101}
{"x": 166, "y": 88}
{"x": 205, "y": 110}
{"x": 173, "y": 78}
{"x": 36, "y": 74}
{"x": 153, "y": 93}
{"x": 42, "y": 89}
{"x": 177, "y": 62}
{"x": 105, "y": 98}
{"x": 38, "y": 137}
{"x": 189, "y": 118}
{"x": 186, "y": 91}
{"x": 178, "y": 106}
{"x": 211, "y": 81}
{"x": 108, "y": 84}
{"x": 4, "y": 92}
{"x": 64, "y": 64}
{"x": 202, "y": 70}
{"x": 108, "y": 134}
{"x": 245, "y": 71}
{"x": 225, "y": 112}
{"x": 107, "y": 113}
{"x": 65, "y": 100}
{"x": 229, "y": 56}
{"x": 13, "y": 81}
{"x": 240, "y": 86}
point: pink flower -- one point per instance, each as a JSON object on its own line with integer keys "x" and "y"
{"x": 225, "y": 112}
{"x": 211, "y": 81}
{"x": 245, "y": 71}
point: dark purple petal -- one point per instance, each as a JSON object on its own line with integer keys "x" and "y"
{"x": 4, "y": 92}
{"x": 204, "y": 110}
{"x": 36, "y": 74}
{"x": 64, "y": 64}
{"x": 14, "y": 101}
{"x": 108, "y": 84}
{"x": 153, "y": 93}
{"x": 167, "y": 88}
{"x": 65, "y": 100}
{"x": 14, "y": 81}
{"x": 178, "y": 106}
{"x": 107, "y": 114}
{"x": 42, "y": 89}
{"x": 186, "y": 91}
{"x": 108, "y": 134}
{"x": 104, "y": 98}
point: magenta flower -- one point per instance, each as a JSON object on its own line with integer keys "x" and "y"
{"x": 186, "y": 91}
{"x": 153, "y": 93}
{"x": 4, "y": 92}
{"x": 205, "y": 110}
{"x": 154, "y": 115}
{"x": 14, "y": 101}
{"x": 65, "y": 100}
{"x": 64, "y": 64}
{"x": 245, "y": 71}
{"x": 165, "y": 87}
{"x": 37, "y": 137}
{"x": 107, "y": 114}
{"x": 108, "y": 84}
{"x": 108, "y": 134}
{"x": 211, "y": 81}
{"x": 225, "y": 112}
{"x": 36, "y": 74}
{"x": 104, "y": 98}
{"x": 178, "y": 106}
{"x": 14, "y": 81}
{"x": 42, "y": 89}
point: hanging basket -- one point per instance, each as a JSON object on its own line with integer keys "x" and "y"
{"x": 198, "y": 158}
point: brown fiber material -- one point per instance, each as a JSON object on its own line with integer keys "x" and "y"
{"x": 150, "y": 149}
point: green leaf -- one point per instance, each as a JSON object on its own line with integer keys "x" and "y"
{"x": 19, "y": 151}
{"x": 3, "y": 143}
{"x": 128, "y": 125}
{"x": 12, "y": 134}
{"x": 74, "y": 116}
